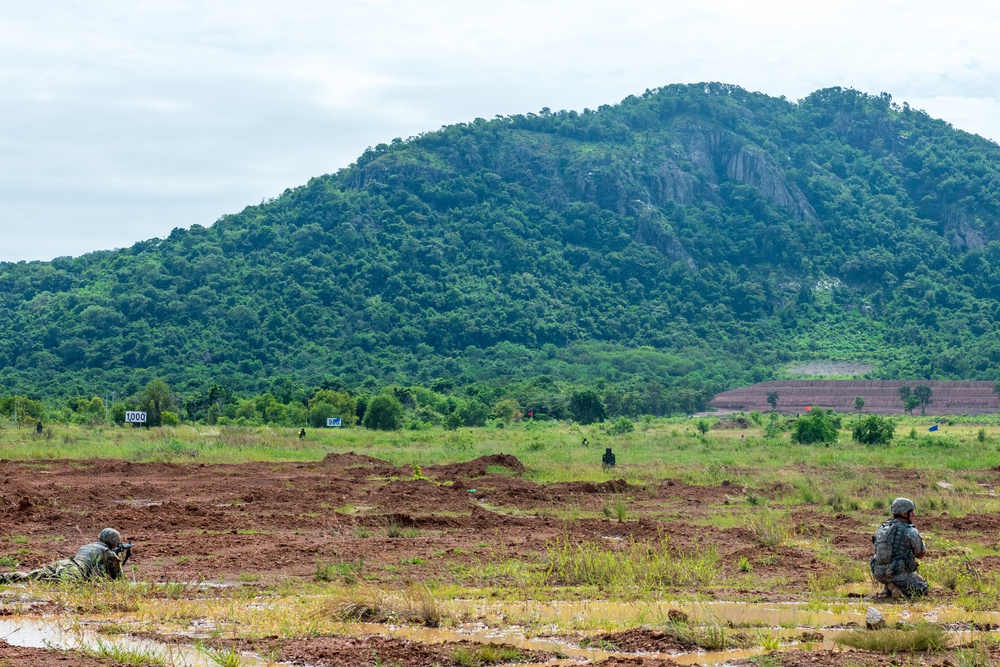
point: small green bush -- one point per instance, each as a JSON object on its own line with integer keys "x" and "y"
{"x": 923, "y": 637}
{"x": 874, "y": 430}
{"x": 622, "y": 426}
{"x": 819, "y": 426}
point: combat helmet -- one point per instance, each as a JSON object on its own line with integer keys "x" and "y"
{"x": 110, "y": 537}
{"x": 902, "y": 506}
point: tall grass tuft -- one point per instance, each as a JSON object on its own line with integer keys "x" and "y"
{"x": 362, "y": 603}
{"x": 345, "y": 571}
{"x": 488, "y": 654}
{"x": 425, "y": 605}
{"x": 768, "y": 527}
{"x": 638, "y": 564}
{"x": 123, "y": 655}
{"x": 923, "y": 637}
{"x": 223, "y": 657}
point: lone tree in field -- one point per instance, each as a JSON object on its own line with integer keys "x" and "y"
{"x": 816, "y": 427}
{"x": 923, "y": 394}
{"x": 772, "y": 398}
{"x": 587, "y": 407}
{"x": 383, "y": 413}
{"x": 874, "y": 430}
{"x": 908, "y": 398}
{"x": 859, "y": 403}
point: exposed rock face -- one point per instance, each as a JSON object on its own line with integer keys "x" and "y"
{"x": 716, "y": 153}
{"x": 960, "y": 232}
{"x": 652, "y": 233}
{"x": 671, "y": 183}
{"x": 753, "y": 168}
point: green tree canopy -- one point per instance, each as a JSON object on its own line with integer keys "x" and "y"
{"x": 384, "y": 413}
{"x": 818, "y": 427}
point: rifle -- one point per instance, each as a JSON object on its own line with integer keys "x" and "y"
{"x": 123, "y": 548}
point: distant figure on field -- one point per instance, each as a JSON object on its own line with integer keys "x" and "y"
{"x": 38, "y": 428}
{"x": 898, "y": 545}
{"x": 585, "y": 443}
{"x": 608, "y": 459}
{"x": 101, "y": 559}
{"x": 302, "y": 434}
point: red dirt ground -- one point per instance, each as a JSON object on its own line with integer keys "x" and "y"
{"x": 17, "y": 656}
{"x": 275, "y": 521}
{"x": 215, "y": 522}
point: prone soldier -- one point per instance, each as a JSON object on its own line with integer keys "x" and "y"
{"x": 101, "y": 559}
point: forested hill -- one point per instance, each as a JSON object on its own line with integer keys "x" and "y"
{"x": 695, "y": 236}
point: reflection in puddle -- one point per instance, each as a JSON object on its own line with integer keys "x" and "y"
{"x": 35, "y": 633}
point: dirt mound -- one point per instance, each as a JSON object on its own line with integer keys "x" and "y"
{"x": 350, "y": 651}
{"x": 417, "y": 495}
{"x": 639, "y": 640}
{"x": 610, "y": 486}
{"x": 826, "y": 658}
{"x": 733, "y": 423}
{"x": 476, "y": 467}
{"x": 639, "y": 662}
{"x": 983, "y": 523}
{"x": 352, "y": 460}
{"x": 20, "y": 656}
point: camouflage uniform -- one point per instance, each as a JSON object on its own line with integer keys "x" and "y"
{"x": 896, "y": 545}
{"x": 92, "y": 561}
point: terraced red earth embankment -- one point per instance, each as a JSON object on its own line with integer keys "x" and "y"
{"x": 880, "y": 396}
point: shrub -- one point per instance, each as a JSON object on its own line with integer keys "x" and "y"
{"x": 622, "y": 426}
{"x": 818, "y": 426}
{"x": 383, "y": 413}
{"x": 587, "y": 407}
{"x": 168, "y": 418}
{"x": 768, "y": 527}
{"x": 923, "y": 637}
{"x": 874, "y": 430}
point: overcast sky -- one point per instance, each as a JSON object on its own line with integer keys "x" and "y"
{"x": 120, "y": 121}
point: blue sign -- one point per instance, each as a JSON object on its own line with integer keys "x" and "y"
{"x": 333, "y": 421}
{"x": 933, "y": 428}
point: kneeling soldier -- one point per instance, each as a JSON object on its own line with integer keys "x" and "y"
{"x": 898, "y": 545}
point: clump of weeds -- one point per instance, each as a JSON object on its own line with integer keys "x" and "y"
{"x": 425, "y": 605}
{"x": 345, "y": 571}
{"x": 921, "y": 638}
{"x": 122, "y": 655}
{"x": 617, "y": 508}
{"x": 223, "y": 657}
{"x": 638, "y": 564}
{"x": 362, "y": 604}
{"x": 768, "y": 527}
{"x": 488, "y": 654}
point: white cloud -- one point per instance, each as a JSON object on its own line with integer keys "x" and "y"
{"x": 121, "y": 122}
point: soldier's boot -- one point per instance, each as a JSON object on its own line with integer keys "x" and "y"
{"x": 897, "y": 592}
{"x": 886, "y": 593}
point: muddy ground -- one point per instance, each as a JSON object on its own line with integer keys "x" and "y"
{"x": 270, "y": 522}
{"x": 266, "y": 523}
